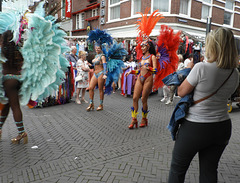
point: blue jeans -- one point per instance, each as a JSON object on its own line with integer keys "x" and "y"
{"x": 208, "y": 140}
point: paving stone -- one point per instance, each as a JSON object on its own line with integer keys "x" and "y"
{"x": 78, "y": 146}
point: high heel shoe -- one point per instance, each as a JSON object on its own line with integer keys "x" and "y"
{"x": 90, "y": 107}
{"x": 17, "y": 139}
{"x": 144, "y": 122}
{"x": 134, "y": 122}
{"x": 100, "y": 107}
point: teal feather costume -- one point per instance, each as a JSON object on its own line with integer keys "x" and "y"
{"x": 44, "y": 65}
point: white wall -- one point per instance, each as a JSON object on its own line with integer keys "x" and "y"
{"x": 20, "y": 5}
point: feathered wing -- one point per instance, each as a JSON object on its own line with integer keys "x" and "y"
{"x": 145, "y": 26}
{"x": 115, "y": 64}
{"x": 10, "y": 21}
{"x": 100, "y": 37}
{"x": 41, "y": 61}
{"x": 63, "y": 62}
{"x": 168, "y": 43}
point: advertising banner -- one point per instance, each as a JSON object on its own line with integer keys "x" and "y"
{"x": 68, "y": 9}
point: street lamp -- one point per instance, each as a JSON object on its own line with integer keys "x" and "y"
{"x": 208, "y": 27}
{"x": 0, "y": 5}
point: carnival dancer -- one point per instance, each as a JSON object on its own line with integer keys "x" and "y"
{"x": 34, "y": 66}
{"x": 11, "y": 84}
{"x": 144, "y": 83}
{"x": 165, "y": 62}
{"x": 100, "y": 74}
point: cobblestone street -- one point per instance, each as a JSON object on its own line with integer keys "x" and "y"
{"x": 69, "y": 145}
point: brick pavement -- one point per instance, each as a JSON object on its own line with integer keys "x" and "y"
{"x": 75, "y": 146}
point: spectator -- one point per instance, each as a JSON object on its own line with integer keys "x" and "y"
{"x": 72, "y": 57}
{"x": 189, "y": 59}
{"x": 172, "y": 88}
{"x": 206, "y": 128}
{"x": 128, "y": 83}
{"x": 82, "y": 73}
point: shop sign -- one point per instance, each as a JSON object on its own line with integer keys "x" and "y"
{"x": 102, "y": 12}
{"x": 102, "y": 21}
{"x": 68, "y": 8}
{"x": 103, "y": 3}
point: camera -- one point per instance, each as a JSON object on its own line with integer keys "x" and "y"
{"x": 196, "y": 56}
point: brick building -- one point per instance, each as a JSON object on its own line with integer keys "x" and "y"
{"x": 119, "y": 16}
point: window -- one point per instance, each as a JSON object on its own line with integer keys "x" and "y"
{"x": 136, "y": 6}
{"x": 161, "y": 5}
{"x": 94, "y": 12}
{"x": 63, "y": 8}
{"x": 206, "y": 9}
{"x": 80, "y": 21}
{"x": 184, "y": 7}
{"x": 228, "y": 14}
{"x": 229, "y": 4}
{"x": 114, "y": 9}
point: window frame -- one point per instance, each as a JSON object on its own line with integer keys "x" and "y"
{"x": 167, "y": 12}
{"x": 80, "y": 21}
{"x": 188, "y": 11}
{"x": 63, "y": 5}
{"x": 231, "y": 12}
{"x": 94, "y": 12}
{"x": 132, "y": 8}
{"x": 210, "y": 8}
{"x": 112, "y": 6}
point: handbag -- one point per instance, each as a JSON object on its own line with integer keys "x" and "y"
{"x": 79, "y": 78}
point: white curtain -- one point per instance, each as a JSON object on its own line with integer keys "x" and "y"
{"x": 205, "y": 11}
{"x": 77, "y": 21}
{"x": 114, "y": 1}
{"x": 161, "y": 5}
{"x": 82, "y": 21}
{"x": 136, "y": 6}
{"x": 184, "y": 7}
{"x": 229, "y": 4}
{"x": 114, "y": 12}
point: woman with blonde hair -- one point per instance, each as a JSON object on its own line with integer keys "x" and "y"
{"x": 82, "y": 76}
{"x": 206, "y": 129}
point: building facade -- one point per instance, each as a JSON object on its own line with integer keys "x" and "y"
{"x": 119, "y": 16}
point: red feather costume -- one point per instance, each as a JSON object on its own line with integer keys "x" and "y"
{"x": 167, "y": 44}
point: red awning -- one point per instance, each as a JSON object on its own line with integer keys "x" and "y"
{"x": 79, "y": 30}
{"x": 86, "y": 9}
{"x": 92, "y": 18}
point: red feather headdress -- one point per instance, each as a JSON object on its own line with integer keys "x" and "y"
{"x": 145, "y": 26}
